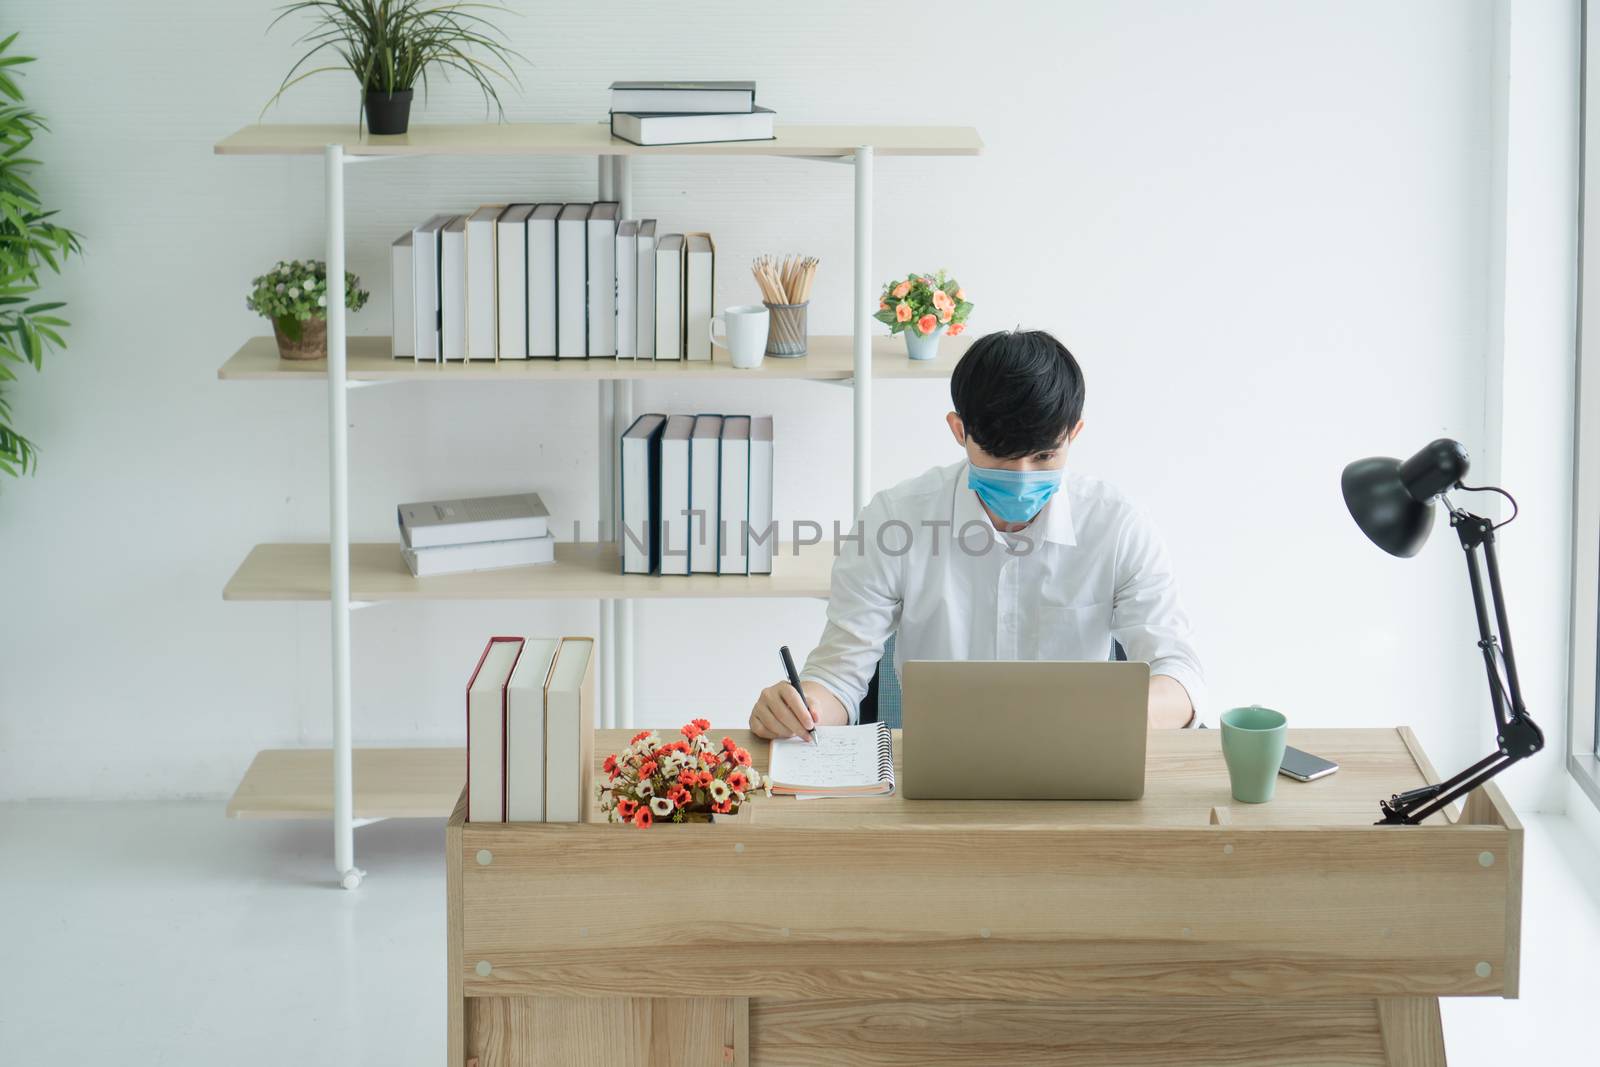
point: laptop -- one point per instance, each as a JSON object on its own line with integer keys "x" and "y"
{"x": 1023, "y": 730}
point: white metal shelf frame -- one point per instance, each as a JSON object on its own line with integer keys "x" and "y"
{"x": 615, "y": 399}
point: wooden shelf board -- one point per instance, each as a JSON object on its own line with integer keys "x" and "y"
{"x": 390, "y": 783}
{"x": 589, "y": 139}
{"x": 581, "y": 571}
{"x": 368, "y": 359}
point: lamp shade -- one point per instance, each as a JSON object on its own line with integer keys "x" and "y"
{"x": 1392, "y": 501}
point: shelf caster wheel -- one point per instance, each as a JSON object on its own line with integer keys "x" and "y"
{"x": 351, "y": 879}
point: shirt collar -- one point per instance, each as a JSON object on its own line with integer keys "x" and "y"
{"x": 1055, "y": 521}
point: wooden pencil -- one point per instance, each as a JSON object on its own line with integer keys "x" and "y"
{"x": 787, "y": 280}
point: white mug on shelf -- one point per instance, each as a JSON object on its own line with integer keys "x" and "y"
{"x": 744, "y": 333}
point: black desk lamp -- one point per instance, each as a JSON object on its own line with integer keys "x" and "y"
{"x": 1392, "y": 502}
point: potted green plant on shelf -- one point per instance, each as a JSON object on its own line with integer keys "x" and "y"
{"x": 29, "y": 240}
{"x": 924, "y": 306}
{"x": 390, "y": 45}
{"x": 294, "y": 296}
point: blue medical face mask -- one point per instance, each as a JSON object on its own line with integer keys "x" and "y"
{"x": 1014, "y": 496}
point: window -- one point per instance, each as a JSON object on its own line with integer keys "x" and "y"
{"x": 1584, "y": 697}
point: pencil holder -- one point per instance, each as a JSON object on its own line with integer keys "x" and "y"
{"x": 786, "y": 329}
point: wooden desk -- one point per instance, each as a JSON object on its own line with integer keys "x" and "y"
{"x": 1179, "y": 929}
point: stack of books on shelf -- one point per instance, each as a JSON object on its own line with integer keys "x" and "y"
{"x": 484, "y": 533}
{"x": 530, "y": 730}
{"x": 658, "y": 113}
{"x": 697, "y": 495}
{"x": 556, "y": 281}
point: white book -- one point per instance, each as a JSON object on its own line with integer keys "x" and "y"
{"x": 699, "y": 279}
{"x": 683, "y": 97}
{"x": 481, "y": 313}
{"x": 763, "y": 531}
{"x": 705, "y": 448}
{"x": 486, "y": 730}
{"x": 734, "y": 496}
{"x": 669, "y": 296}
{"x": 602, "y": 273}
{"x": 572, "y": 281}
{"x": 431, "y": 523}
{"x": 479, "y": 556}
{"x": 425, "y": 287}
{"x": 628, "y": 289}
{"x": 643, "y": 128}
{"x": 403, "y": 318}
{"x": 511, "y": 281}
{"x": 542, "y": 280}
{"x": 525, "y": 730}
{"x": 675, "y": 520}
{"x": 569, "y": 731}
{"x": 453, "y": 289}
{"x": 647, "y": 289}
{"x": 640, "y": 493}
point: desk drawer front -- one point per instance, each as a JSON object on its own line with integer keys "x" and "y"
{"x": 1223, "y": 911}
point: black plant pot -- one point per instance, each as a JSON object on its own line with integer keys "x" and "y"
{"x": 388, "y": 112}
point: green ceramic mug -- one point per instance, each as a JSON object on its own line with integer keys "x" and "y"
{"x": 1252, "y": 745}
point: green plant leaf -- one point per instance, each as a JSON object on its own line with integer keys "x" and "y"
{"x": 17, "y": 454}
{"x": 390, "y": 44}
{"x": 31, "y": 240}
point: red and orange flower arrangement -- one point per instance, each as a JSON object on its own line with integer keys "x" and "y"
{"x": 677, "y": 781}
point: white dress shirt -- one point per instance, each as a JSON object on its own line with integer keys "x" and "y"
{"x": 930, "y": 567}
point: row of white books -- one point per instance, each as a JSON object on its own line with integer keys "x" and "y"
{"x": 567, "y": 281}
{"x": 697, "y": 495}
{"x": 530, "y": 730}
{"x": 476, "y": 534}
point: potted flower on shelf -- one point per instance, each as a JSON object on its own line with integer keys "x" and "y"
{"x": 924, "y": 306}
{"x": 294, "y": 296}
{"x": 390, "y": 45}
{"x": 687, "y": 780}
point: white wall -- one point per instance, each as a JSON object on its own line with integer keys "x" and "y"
{"x": 1262, "y": 227}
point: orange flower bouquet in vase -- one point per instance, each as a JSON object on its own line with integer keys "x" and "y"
{"x": 687, "y": 780}
{"x": 924, "y": 306}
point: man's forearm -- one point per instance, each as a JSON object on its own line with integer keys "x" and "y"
{"x": 1170, "y": 708}
{"x": 826, "y": 708}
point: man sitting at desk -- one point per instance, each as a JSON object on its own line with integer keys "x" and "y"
{"x": 1002, "y": 556}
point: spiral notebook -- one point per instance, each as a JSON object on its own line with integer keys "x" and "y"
{"x": 844, "y": 761}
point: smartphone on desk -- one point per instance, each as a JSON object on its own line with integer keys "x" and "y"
{"x": 1303, "y": 766}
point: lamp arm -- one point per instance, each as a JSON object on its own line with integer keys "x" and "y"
{"x": 1518, "y": 711}
{"x": 1517, "y": 735}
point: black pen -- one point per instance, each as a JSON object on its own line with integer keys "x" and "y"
{"x": 794, "y": 680}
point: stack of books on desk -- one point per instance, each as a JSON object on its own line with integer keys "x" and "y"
{"x": 658, "y": 113}
{"x": 530, "y": 730}
{"x": 481, "y": 534}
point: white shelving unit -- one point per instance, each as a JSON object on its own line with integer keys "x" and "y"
{"x": 358, "y": 787}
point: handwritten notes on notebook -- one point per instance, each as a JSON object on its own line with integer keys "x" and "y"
{"x": 843, "y": 761}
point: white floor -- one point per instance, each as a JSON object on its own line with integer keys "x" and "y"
{"x": 164, "y": 934}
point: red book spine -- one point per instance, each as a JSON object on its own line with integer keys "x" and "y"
{"x": 473, "y": 680}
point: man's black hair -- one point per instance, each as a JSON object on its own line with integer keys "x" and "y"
{"x": 1018, "y": 392}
